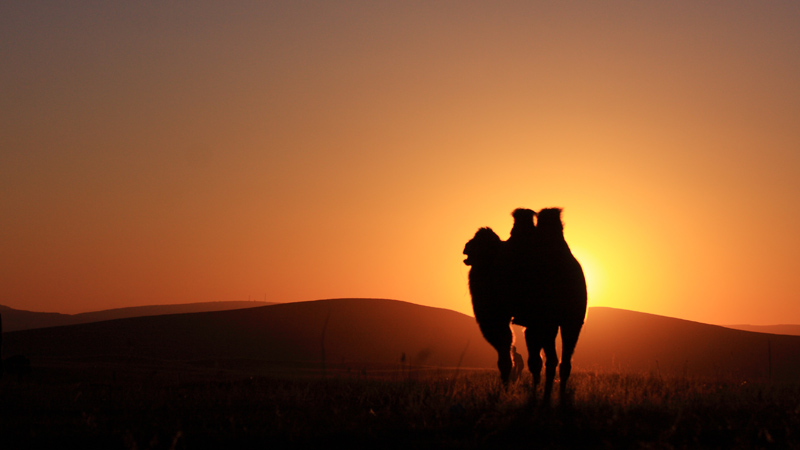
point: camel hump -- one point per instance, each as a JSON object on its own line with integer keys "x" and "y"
{"x": 524, "y": 230}
{"x": 549, "y": 222}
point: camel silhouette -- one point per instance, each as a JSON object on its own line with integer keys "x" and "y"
{"x": 490, "y": 293}
{"x": 531, "y": 280}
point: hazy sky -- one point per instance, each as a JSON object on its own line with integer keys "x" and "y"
{"x": 171, "y": 152}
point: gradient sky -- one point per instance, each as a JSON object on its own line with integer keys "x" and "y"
{"x": 172, "y": 152}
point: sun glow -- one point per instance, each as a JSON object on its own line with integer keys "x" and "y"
{"x": 594, "y": 275}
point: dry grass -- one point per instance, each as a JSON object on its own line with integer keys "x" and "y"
{"x": 434, "y": 410}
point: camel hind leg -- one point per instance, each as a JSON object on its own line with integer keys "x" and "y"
{"x": 534, "y": 341}
{"x": 542, "y": 336}
{"x": 551, "y": 359}
{"x": 569, "y": 339}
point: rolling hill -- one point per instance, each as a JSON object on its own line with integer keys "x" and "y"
{"x": 18, "y": 319}
{"x": 356, "y": 330}
{"x": 629, "y": 341}
{"x": 793, "y": 330}
{"x": 367, "y": 332}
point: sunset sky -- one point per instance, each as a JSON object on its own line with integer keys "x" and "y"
{"x": 173, "y": 152}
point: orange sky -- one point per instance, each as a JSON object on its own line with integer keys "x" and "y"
{"x": 154, "y": 152}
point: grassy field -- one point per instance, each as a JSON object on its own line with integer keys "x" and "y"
{"x": 419, "y": 410}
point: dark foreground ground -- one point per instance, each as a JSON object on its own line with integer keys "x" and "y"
{"x": 158, "y": 408}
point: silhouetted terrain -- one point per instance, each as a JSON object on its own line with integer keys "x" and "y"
{"x": 358, "y": 331}
{"x": 434, "y": 410}
{"x": 629, "y": 341}
{"x": 238, "y": 379}
{"x": 18, "y": 319}
{"x": 792, "y": 330}
{"x": 376, "y": 333}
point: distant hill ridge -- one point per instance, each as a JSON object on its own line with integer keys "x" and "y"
{"x": 357, "y": 332}
{"x": 792, "y": 330}
{"x": 18, "y": 319}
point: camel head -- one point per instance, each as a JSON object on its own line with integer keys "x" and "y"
{"x": 483, "y": 247}
{"x": 549, "y": 222}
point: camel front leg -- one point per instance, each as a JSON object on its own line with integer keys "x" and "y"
{"x": 501, "y": 337}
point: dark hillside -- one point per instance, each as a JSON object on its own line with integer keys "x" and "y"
{"x": 631, "y": 341}
{"x": 17, "y": 319}
{"x": 358, "y": 330}
{"x": 792, "y": 330}
{"x": 373, "y": 332}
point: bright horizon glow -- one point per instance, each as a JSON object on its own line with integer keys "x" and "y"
{"x": 595, "y": 277}
{"x": 173, "y": 153}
